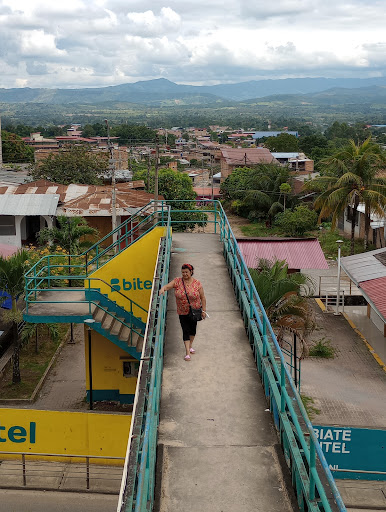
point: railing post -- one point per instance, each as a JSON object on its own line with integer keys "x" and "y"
{"x": 250, "y": 300}
{"x": 282, "y": 387}
{"x": 264, "y": 336}
{"x": 24, "y": 471}
{"x": 215, "y": 217}
{"x": 88, "y": 473}
{"x": 312, "y": 469}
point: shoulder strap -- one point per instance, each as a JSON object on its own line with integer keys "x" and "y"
{"x": 185, "y": 292}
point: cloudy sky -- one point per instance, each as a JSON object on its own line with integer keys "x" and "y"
{"x": 89, "y": 43}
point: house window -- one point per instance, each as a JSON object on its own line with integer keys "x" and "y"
{"x": 7, "y": 225}
{"x": 130, "y": 368}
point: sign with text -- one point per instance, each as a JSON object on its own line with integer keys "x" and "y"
{"x": 355, "y": 449}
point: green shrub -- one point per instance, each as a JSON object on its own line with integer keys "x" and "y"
{"x": 298, "y": 221}
{"x": 322, "y": 348}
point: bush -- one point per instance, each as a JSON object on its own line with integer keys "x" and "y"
{"x": 322, "y": 348}
{"x": 298, "y": 221}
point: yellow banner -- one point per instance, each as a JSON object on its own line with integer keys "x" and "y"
{"x": 64, "y": 433}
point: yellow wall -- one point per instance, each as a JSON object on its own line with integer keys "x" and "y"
{"x": 132, "y": 272}
{"x": 107, "y": 366}
{"x": 72, "y": 433}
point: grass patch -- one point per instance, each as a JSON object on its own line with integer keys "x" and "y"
{"x": 32, "y": 365}
{"x": 309, "y": 406}
{"x": 322, "y": 348}
{"x": 259, "y": 229}
{"x": 328, "y": 238}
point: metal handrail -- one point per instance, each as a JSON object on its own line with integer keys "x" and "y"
{"x": 57, "y": 455}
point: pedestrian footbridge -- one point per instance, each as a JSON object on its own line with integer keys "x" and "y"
{"x": 226, "y": 431}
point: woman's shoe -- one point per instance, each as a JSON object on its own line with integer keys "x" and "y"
{"x": 192, "y": 351}
{"x": 187, "y": 358}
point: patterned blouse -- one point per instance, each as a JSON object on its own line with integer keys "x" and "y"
{"x": 193, "y": 291}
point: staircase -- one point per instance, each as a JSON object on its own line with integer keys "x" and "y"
{"x": 116, "y": 324}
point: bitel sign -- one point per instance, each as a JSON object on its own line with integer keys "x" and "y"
{"x": 354, "y": 449}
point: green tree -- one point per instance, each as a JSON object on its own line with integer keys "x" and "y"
{"x": 285, "y": 189}
{"x": 298, "y": 221}
{"x": 74, "y": 165}
{"x": 285, "y": 142}
{"x": 256, "y": 191}
{"x": 176, "y": 187}
{"x": 279, "y": 293}
{"x": 309, "y": 143}
{"x": 12, "y": 270}
{"x": 15, "y": 150}
{"x": 351, "y": 179}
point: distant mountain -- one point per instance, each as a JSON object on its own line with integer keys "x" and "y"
{"x": 337, "y": 96}
{"x": 162, "y": 92}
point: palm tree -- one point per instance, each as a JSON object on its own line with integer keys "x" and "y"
{"x": 70, "y": 234}
{"x": 12, "y": 270}
{"x": 351, "y": 180}
{"x": 279, "y": 293}
{"x": 32, "y": 330}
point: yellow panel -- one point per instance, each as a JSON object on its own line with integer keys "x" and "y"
{"x": 71, "y": 433}
{"x": 107, "y": 366}
{"x": 131, "y": 272}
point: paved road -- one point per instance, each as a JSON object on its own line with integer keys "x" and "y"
{"x": 41, "y": 501}
{"x": 349, "y": 389}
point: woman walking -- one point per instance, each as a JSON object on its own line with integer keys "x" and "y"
{"x": 189, "y": 294}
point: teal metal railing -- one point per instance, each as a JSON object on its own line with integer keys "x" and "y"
{"x": 312, "y": 480}
{"x": 137, "y": 489}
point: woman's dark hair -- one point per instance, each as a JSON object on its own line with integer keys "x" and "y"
{"x": 189, "y": 267}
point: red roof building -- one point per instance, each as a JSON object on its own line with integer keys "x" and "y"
{"x": 300, "y": 254}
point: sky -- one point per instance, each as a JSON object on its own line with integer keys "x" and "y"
{"x": 97, "y": 43}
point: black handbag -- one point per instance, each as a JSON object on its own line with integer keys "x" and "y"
{"x": 194, "y": 314}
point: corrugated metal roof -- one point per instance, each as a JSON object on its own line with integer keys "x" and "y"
{"x": 28, "y": 204}
{"x": 247, "y": 156}
{"x": 375, "y": 291}
{"x": 299, "y": 254}
{"x": 364, "y": 267}
{"x": 285, "y": 155}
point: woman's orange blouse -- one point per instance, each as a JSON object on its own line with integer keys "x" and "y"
{"x": 193, "y": 291}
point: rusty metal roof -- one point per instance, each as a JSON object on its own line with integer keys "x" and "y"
{"x": 70, "y": 192}
{"x": 99, "y": 202}
{"x": 298, "y": 253}
{"x": 247, "y": 156}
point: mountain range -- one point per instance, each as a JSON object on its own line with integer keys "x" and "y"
{"x": 162, "y": 92}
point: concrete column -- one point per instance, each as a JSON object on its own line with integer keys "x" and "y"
{"x": 18, "y": 219}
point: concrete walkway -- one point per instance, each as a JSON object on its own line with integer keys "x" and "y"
{"x": 374, "y": 337}
{"x": 217, "y": 445}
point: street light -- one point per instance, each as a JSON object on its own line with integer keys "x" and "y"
{"x": 339, "y": 242}
{"x": 89, "y": 323}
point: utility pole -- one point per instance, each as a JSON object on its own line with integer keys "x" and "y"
{"x": 211, "y": 172}
{"x": 156, "y": 172}
{"x": 113, "y": 191}
{"x": 148, "y": 170}
{"x": 1, "y": 148}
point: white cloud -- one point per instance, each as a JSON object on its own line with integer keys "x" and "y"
{"x": 147, "y": 24}
{"x": 105, "y": 42}
{"x": 36, "y": 43}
